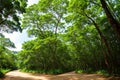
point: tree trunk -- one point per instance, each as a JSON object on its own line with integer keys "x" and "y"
{"x": 114, "y": 23}
{"x": 104, "y": 40}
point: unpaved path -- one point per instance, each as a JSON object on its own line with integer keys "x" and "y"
{"x": 17, "y": 75}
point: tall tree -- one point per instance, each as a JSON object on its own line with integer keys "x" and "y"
{"x": 93, "y": 11}
{"x": 45, "y": 17}
{"x": 45, "y": 21}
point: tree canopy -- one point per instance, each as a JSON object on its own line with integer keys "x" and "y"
{"x": 10, "y": 11}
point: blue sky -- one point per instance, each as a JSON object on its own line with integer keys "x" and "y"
{"x": 17, "y": 37}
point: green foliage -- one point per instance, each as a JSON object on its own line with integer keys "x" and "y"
{"x": 45, "y": 18}
{"x": 54, "y": 71}
{"x": 45, "y": 21}
{"x": 85, "y": 71}
{"x": 1, "y": 74}
{"x": 3, "y": 71}
{"x": 70, "y": 35}
{"x": 103, "y": 72}
{"x": 79, "y": 71}
{"x": 9, "y": 14}
{"x": 7, "y": 58}
{"x": 6, "y": 41}
{"x": 90, "y": 47}
{"x": 40, "y": 55}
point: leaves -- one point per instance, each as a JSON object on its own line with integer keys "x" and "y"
{"x": 48, "y": 59}
{"x": 6, "y": 42}
{"x": 43, "y": 17}
{"x": 9, "y": 18}
{"x": 72, "y": 34}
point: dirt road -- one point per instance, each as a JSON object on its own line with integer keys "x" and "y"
{"x": 17, "y": 75}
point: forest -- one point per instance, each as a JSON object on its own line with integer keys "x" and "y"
{"x": 70, "y": 35}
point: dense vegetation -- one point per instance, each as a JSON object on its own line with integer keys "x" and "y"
{"x": 81, "y": 35}
{"x": 7, "y": 57}
{"x": 10, "y": 11}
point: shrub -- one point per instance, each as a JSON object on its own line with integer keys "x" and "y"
{"x": 1, "y": 74}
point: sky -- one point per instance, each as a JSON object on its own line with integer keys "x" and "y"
{"x": 18, "y": 38}
{"x": 30, "y": 2}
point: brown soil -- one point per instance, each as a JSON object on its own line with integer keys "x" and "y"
{"x": 17, "y": 75}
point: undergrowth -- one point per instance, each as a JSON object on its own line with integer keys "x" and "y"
{"x": 56, "y": 71}
{"x": 101, "y": 72}
{"x": 3, "y": 72}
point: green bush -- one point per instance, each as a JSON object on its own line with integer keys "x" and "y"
{"x": 103, "y": 72}
{"x": 79, "y": 71}
{"x": 3, "y": 71}
{"x": 1, "y": 74}
{"x": 85, "y": 71}
{"x": 44, "y": 57}
{"x": 55, "y": 71}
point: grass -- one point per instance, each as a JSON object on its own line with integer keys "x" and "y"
{"x": 89, "y": 71}
{"x": 55, "y": 71}
{"x": 101, "y": 72}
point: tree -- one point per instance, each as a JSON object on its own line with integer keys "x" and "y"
{"x": 6, "y": 42}
{"x": 6, "y": 56}
{"x": 10, "y": 11}
{"x": 69, "y": 33}
{"x": 39, "y": 55}
{"x": 111, "y": 18}
{"x": 46, "y": 22}
{"x": 45, "y": 17}
{"x": 82, "y": 9}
